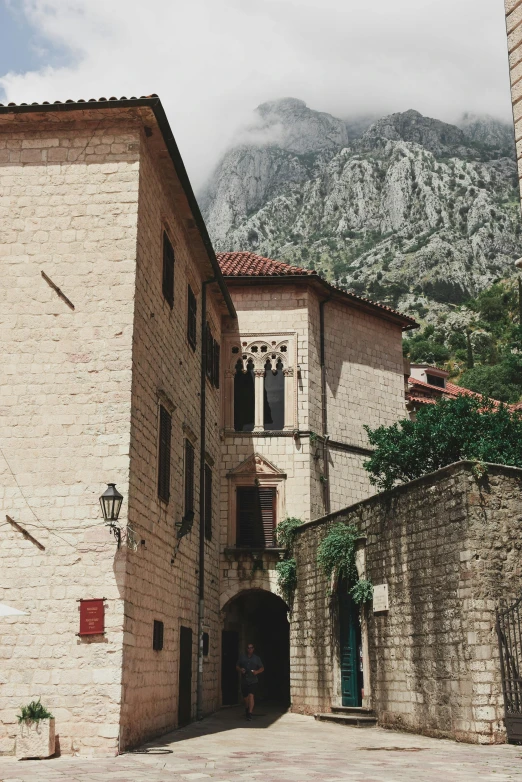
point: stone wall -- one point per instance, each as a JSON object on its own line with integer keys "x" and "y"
{"x": 68, "y": 207}
{"x": 448, "y": 548}
{"x": 514, "y": 38}
{"x": 162, "y": 584}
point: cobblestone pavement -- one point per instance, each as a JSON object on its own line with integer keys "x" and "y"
{"x": 273, "y": 748}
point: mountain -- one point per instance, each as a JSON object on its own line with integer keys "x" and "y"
{"x": 406, "y": 209}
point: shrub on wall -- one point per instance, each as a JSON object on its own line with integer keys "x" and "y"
{"x": 287, "y": 569}
{"x": 464, "y": 428}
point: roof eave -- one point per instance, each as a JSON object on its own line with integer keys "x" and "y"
{"x": 313, "y": 279}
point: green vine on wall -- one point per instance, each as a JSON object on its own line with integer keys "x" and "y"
{"x": 287, "y": 568}
{"x": 336, "y": 558}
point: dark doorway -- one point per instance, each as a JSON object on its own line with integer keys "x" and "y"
{"x": 350, "y": 645}
{"x": 185, "y": 676}
{"x": 229, "y": 655}
{"x": 260, "y": 618}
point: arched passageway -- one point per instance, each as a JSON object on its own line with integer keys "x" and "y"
{"x": 260, "y": 618}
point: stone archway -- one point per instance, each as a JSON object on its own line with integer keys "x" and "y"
{"x": 259, "y": 617}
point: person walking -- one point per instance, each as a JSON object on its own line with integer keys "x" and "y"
{"x": 249, "y": 666}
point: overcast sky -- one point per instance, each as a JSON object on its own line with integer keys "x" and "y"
{"x": 213, "y": 61}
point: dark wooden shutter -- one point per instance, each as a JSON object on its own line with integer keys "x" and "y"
{"x": 215, "y": 364}
{"x": 267, "y": 504}
{"x": 255, "y": 516}
{"x": 189, "y": 476}
{"x": 157, "y": 636}
{"x": 165, "y": 432}
{"x": 209, "y": 368}
{"x": 168, "y": 270}
{"x": 208, "y": 502}
{"x": 192, "y": 319}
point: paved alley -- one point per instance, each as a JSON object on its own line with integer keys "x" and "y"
{"x": 277, "y": 747}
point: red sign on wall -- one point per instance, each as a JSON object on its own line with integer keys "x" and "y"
{"x": 92, "y": 617}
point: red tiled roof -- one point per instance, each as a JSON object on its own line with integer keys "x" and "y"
{"x": 450, "y": 390}
{"x": 246, "y": 264}
{"x": 252, "y": 265}
{"x": 80, "y": 100}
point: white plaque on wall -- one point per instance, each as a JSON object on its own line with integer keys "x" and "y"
{"x": 380, "y": 598}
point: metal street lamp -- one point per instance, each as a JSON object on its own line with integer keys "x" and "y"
{"x": 110, "y": 502}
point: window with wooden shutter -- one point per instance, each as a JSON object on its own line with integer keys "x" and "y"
{"x": 256, "y": 516}
{"x": 192, "y": 319}
{"x": 168, "y": 270}
{"x": 209, "y": 365}
{"x": 189, "y": 476}
{"x": 165, "y": 432}
{"x": 208, "y": 502}
{"x": 215, "y": 364}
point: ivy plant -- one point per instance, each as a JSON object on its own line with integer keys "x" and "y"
{"x": 287, "y": 568}
{"x": 336, "y": 558}
{"x": 287, "y": 578}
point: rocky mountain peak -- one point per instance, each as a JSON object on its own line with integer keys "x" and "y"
{"x": 289, "y": 124}
{"x": 432, "y": 134}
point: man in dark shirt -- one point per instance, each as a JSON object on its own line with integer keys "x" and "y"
{"x": 249, "y": 666}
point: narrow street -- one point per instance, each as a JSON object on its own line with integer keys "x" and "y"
{"x": 277, "y": 747}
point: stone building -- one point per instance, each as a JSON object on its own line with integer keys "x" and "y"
{"x": 218, "y": 397}
{"x": 110, "y": 288}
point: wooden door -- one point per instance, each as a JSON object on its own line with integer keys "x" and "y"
{"x": 185, "y": 676}
{"x": 349, "y": 642}
{"x": 229, "y": 676}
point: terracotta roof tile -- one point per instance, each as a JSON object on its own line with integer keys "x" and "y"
{"x": 450, "y": 390}
{"x": 243, "y": 264}
{"x": 80, "y": 100}
{"x": 247, "y": 264}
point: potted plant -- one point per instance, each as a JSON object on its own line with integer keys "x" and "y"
{"x": 35, "y": 732}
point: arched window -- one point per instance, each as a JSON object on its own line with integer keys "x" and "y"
{"x": 274, "y": 396}
{"x": 244, "y": 399}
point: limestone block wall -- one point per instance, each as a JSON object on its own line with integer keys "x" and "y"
{"x": 448, "y": 548}
{"x": 364, "y": 386}
{"x": 513, "y": 10}
{"x": 162, "y": 582}
{"x": 68, "y": 207}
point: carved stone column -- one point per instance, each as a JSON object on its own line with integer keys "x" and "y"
{"x": 290, "y": 423}
{"x": 259, "y": 413}
{"x": 228, "y": 406}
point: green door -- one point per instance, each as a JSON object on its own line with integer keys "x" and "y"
{"x": 350, "y": 633}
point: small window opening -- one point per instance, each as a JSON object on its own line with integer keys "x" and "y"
{"x": 274, "y": 397}
{"x": 168, "y": 270}
{"x": 206, "y": 644}
{"x": 244, "y": 399}
{"x": 157, "y": 636}
{"x": 192, "y": 319}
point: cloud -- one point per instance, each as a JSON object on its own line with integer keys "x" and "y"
{"x": 213, "y": 61}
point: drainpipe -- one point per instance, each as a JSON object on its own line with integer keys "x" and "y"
{"x": 202, "y": 438}
{"x": 324, "y": 411}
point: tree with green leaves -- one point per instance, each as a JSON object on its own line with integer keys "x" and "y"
{"x": 471, "y": 428}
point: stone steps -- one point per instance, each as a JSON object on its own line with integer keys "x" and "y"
{"x": 353, "y": 716}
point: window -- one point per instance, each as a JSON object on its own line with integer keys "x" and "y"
{"x": 157, "y": 636}
{"x": 209, "y": 368}
{"x": 435, "y": 380}
{"x": 168, "y": 270}
{"x": 256, "y": 516}
{"x": 244, "y": 400}
{"x": 206, "y": 644}
{"x": 208, "y": 502}
{"x": 191, "y": 319}
{"x": 189, "y": 477}
{"x": 165, "y": 432}
{"x": 215, "y": 364}
{"x": 274, "y": 396}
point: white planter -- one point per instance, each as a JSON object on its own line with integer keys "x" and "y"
{"x": 35, "y": 739}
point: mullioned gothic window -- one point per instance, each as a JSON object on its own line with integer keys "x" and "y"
{"x": 259, "y": 392}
